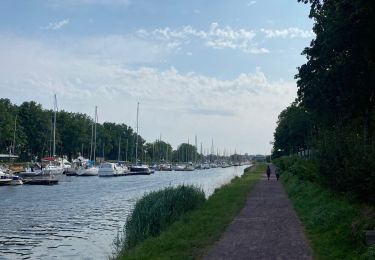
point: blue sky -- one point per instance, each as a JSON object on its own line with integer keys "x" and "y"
{"x": 218, "y": 69}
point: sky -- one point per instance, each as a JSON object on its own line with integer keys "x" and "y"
{"x": 220, "y": 70}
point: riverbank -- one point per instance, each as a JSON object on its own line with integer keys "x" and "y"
{"x": 193, "y": 234}
{"x": 334, "y": 224}
{"x": 84, "y": 214}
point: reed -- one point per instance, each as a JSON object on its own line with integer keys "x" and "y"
{"x": 155, "y": 211}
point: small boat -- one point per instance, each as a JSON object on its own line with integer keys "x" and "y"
{"x": 71, "y": 171}
{"x": 112, "y": 170}
{"x": 179, "y": 167}
{"x": 5, "y": 179}
{"x": 139, "y": 170}
{"x": 46, "y": 179}
{"x": 165, "y": 167}
{"x": 33, "y": 171}
{"x": 189, "y": 167}
{"x": 89, "y": 171}
{"x": 41, "y": 181}
{"x": 16, "y": 180}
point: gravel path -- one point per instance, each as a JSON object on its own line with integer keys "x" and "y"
{"x": 266, "y": 228}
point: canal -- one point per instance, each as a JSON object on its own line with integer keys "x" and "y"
{"x": 80, "y": 217}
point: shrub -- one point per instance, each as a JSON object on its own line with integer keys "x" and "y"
{"x": 304, "y": 169}
{"x": 371, "y": 253}
{"x": 155, "y": 211}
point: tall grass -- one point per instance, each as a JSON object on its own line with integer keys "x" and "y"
{"x": 155, "y": 211}
{"x": 334, "y": 223}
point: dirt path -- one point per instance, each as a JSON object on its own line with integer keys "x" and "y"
{"x": 266, "y": 228}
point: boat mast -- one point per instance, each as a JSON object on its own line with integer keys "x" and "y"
{"x": 119, "y": 145}
{"x": 14, "y": 135}
{"x": 127, "y": 147}
{"x": 196, "y": 150}
{"x": 91, "y": 141}
{"x": 95, "y": 121}
{"x": 136, "y": 140}
{"x": 54, "y": 126}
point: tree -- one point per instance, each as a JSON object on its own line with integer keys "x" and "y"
{"x": 337, "y": 82}
{"x": 293, "y": 131}
{"x": 7, "y": 118}
{"x": 159, "y": 151}
{"x": 37, "y": 127}
{"x": 185, "y": 153}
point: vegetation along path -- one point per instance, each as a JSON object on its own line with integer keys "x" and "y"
{"x": 266, "y": 228}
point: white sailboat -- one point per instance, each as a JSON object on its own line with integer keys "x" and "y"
{"x": 90, "y": 169}
{"x": 138, "y": 169}
{"x": 55, "y": 165}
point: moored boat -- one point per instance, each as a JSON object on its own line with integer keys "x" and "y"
{"x": 89, "y": 171}
{"x": 5, "y": 179}
{"x": 139, "y": 170}
{"x": 16, "y": 180}
{"x": 41, "y": 181}
{"x": 112, "y": 170}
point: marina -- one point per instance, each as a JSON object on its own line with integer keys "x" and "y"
{"x": 80, "y": 217}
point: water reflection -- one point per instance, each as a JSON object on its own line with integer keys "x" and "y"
{"x": 79, "y": 218}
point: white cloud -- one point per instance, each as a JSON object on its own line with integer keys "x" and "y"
{"x": 177, "y": 104}
{"x": 216, "y": 37}
{"x": 291, "y": 32}
{"x": 251, "y": 3}
{"x": 56, "y": 25}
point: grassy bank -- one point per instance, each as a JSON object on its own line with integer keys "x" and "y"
{"x": 194, "y": 232}
{"x": 158, "y": 210}
{"x": 334, "y": 223}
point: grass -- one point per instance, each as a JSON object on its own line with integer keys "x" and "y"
{"x": 191, "y": 236}
{"x": 157, "y": 210}
{"x": 334, "y": 223}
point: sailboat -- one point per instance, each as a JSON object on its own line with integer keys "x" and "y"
{"x": 107, "y": 169}
{"x": 90, "y": 169}
{"x": 54, "y": 165}
{"x": 138, "y": 169}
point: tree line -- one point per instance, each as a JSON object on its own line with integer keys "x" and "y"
{"x": 333, "y": 117}
{"x": 27, "y": 131}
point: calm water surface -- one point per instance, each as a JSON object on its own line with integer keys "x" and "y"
{"x": 80, "y": 217}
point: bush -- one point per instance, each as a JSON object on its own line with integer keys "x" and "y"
{"x": 371, "y": 253}
{"x": 157, "y": 210}
{"x": 346, "y": 164}
{"x": 304, "y": 169}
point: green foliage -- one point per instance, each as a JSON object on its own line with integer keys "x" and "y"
{"x": 302, "y": 168}
{"x": 196, "y": 231}
{"x": 336, "y": 96}
{"x": 293, "y": 131}
{"x": 157, "y": 210}
{"x": 346, "y": 164}
{"x": 33, "y": 135}
{"x": 371, "y": 253}
{"x": 159, "y": 151}
{"x": 185, "y": 153}
{"x": 335, "y": 83}
{"x": 334, "y": 224}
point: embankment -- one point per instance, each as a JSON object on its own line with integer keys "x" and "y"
{"x": 194, "y": 232}
{"x": 334, "y": 223}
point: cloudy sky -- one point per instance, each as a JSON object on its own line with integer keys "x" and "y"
{"x": 221, "y": 70}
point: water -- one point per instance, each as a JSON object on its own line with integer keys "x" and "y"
{"x": 80, "y": 217}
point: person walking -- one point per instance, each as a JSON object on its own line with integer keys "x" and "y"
{"x": 277, "y": 173}
{"x": 268, "y": 172}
